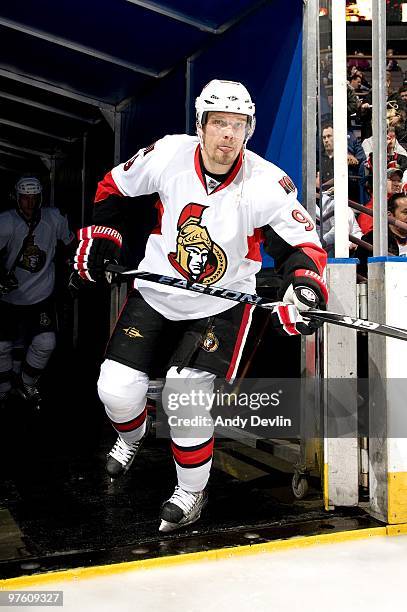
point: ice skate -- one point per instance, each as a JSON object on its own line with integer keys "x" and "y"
{"x": 29, "y": 393}
{"x": 181, "y": 509}
{"x": 4, "y": 398}
{"x": 123, "y": 454}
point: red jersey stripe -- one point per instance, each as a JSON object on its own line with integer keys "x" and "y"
{"x": 160, "y": 211}
{"x": 106, "y": 187}
{"x": 253, "y": 243}
{"x": 241, "y": 337}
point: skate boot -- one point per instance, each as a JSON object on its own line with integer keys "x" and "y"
{"x": 4, "y": 398}
{"x": 29, "y": 393}
{"x": 123, "y": 454}
{"x": 183, "y": 508}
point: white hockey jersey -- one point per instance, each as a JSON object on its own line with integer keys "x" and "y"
{"x": 207, "y": 232}
{"x": 35, "y": 269}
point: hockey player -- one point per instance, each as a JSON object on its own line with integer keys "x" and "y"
{"x": 28, "y": 237}
{"x": 216, "y": 202}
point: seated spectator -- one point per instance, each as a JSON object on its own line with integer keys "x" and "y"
{"x": 366, "y": 86}
{"x": 28, "y": 239}
{"x": 356, "y": 159}
{"x": 365, "y": 221}
{"x": 359, "y": 107}
{"x": 392, "y": 64}
{"x": 397, "y": 118}
{"x": 356, "y": 167}
{"x": 397, "y": 237}
{"x": 359, "y": 63}
{"x": 396, "y": 154}
{"x": 394, "y": 186}
{"x": 327, "y": 205}
{"x": 353, "y": 102}
{"x": 403, "y": 93}
{"x": 394, "y": 180}
{"x": 358, "y": 82}
{"x": 355, "y": 82}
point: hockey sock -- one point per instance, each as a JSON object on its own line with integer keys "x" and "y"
{"x": 193, "y": 461}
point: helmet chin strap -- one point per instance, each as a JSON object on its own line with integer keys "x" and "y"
{"x": 199, "y": 132}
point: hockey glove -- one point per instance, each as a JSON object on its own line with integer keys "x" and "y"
{"x": 76, "y": 284}
{"x": 98, "y": 246}
{"x": 8, "y": 282}
{"x": 307, "y": 290}
{"x": 287, "y": 321}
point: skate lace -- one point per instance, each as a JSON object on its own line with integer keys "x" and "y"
{"x": 31, "y": 390}
{"x": 122, "y": 451}
{"x": 186, "y": 500}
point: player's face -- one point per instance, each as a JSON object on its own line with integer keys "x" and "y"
{"x": 223, "y": 138}
{"x": 28, "y": 204}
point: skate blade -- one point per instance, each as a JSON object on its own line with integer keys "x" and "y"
{"x": 166, "y": 527}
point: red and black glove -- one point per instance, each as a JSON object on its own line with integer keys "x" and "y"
{"x": 287, "y": 321}
{"x": 307, "y": 290}
{"x": 98, "y": 245}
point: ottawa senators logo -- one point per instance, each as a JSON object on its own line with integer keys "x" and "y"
{"x": 287, "y": 184}
{"x": 210, "y": 343}
{"x": 32, "y": 258}
{"x": 197, "y": 258}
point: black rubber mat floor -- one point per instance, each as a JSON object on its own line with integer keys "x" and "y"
{"x": 59, "y": 510}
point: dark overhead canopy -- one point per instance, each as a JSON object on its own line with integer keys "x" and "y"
{"x": 71, "y": 59}
{"x": 68, "y": 65}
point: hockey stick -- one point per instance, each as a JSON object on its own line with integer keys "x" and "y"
{"x": 247, "y": 298}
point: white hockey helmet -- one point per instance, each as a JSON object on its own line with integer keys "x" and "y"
{"x": 227, "y": 97}
{"x": 28, "y": 185}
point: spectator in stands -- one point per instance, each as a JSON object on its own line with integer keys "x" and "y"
{"x": 352, "y": 101}
{"x": 359, "y": 63}
{"x": 393, "y": 115}
{"x": 355, "y": 82}
{"x": 360, "y": 106}
{"x": 397, "y": 237}
{"x": 28, "y": 239}
{"x": 365, "y": 221}
{"x": 327, "y": 153}
{"x": 358, "y": 83}
{"x": 392, "y": 64}
{"x": 393, "y": 82}
{"x": 356, "y": 159}
{"x": 394, "y": 186}
{"x": 403, "y": 93}
{"x": 327, "y": 204}
{"x": 396, "y": 154}
{"x": 366, "y": 86}
{"x": 397, "y": 118}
